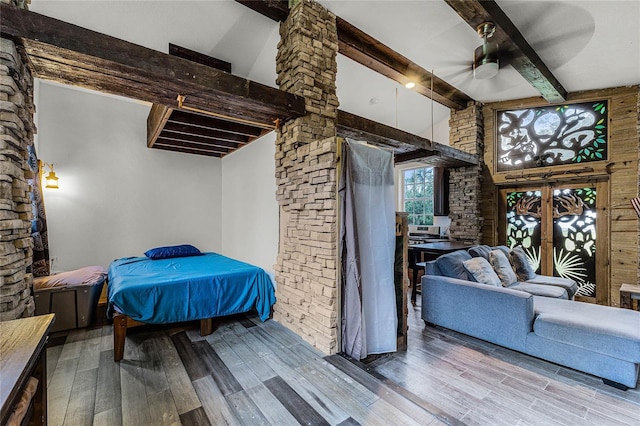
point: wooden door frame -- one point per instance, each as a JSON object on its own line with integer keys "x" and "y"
{"x": 603, "y": 242}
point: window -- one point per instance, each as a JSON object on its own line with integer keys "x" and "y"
{"x": 552, "y": 135}
{"x": 418, "y": 195}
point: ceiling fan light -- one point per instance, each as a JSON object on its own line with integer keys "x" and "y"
{"x": 485, "y": 61}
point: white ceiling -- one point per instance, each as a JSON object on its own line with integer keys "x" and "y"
{"x": 586, "y": 44}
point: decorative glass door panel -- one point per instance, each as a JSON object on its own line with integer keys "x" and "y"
{"x": 523, "y": 223}
{"x": 558, "y": 228}
{"x": 574, "y": 237}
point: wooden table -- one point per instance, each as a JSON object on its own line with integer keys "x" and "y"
{"x": 23, "y": 354}
{"x": 441, "y": 248}
{"x": 627, "y": 293}
{"x": 432, "y": 251}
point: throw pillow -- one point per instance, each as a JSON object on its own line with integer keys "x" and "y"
{"x": 521, "y": 264}
{"x": 168, "y": 252}
{"x": 480, "y": 251}
{"x": 506, "y": 250}
{"x": 450, "y": 265}
{"x": 501, "y": 265}
{"x": 482, "y": 271}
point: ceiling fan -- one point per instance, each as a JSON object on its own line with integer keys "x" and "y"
{"x": 486, "y": 58}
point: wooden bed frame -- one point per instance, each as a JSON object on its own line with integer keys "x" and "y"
{"x": 121, "y": 322}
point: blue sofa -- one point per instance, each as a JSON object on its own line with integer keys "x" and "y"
{"x": 600, "y": 340}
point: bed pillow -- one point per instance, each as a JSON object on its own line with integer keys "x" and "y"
{"x": 521, "y": 264}
{"x": 501, "y": 265}
{"x": 167, "y": 252}
{"x": 482, "y": 271}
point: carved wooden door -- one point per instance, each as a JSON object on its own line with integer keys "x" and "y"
{"x": 559, "y": 227}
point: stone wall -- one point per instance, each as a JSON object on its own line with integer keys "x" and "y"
{"x": 16, "y": 134}
{"x": 465, "y": 183}
{"x": 306, "y": 160}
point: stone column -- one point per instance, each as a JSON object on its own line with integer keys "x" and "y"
{"x": 306, "y": 272}
{"x": 465, "y": 183}
{"x": 16, "y": 134}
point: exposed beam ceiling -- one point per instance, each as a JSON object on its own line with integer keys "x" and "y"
{"x": 73, "y": 55}
{"x": 406, "y": 146}
{"x": 359, "y": 46}
{"x": 521, "y": 55}
{"x": 366, "y": 50}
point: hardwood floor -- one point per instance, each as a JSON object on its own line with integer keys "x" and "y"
{"x": 253, "y": 373}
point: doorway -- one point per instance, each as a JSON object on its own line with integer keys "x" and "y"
{"x": 560, "y": 227}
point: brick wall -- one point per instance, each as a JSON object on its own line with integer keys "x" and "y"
{"x": 465, "y": 183}
{"x": 306, "y": 269}
{"x": 16, "y": 134}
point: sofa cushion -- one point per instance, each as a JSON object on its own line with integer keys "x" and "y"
{"x": 450, "y": 265}
{"x": 541, "y": 290}
{"x": 502, "y": 266}
{"x": 480, "y": 251}
{"x": 603, "y": 329}
{"x": 521, "y": 264}
{"x": 506, "y": 250}
{"x": 482, "y": 271}
{"x": 570, "y": 285}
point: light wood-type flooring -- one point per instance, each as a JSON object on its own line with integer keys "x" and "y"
{"x": 253, "y": 373}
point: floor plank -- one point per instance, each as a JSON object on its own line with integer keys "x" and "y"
{"x": 82, "y": 399}
{"x": 300, "y": 409}
{"x": 213, "y": 402}
{"x": 195, "y": 417}
{"x": 108, "y": 394}
{"x": 182, "y": 389}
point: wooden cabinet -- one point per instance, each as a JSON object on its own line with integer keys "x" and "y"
{"x": 23, "y": 355}
{"x": 440, "y": 191}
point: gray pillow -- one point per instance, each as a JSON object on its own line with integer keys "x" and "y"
{"x": 506, "y": 250}
{"x": 480, "y": 251}
{"x": 501, "y": 265}
{"x": 451, "y": 266}
{"x": 482, "y": 271}
{"x": 521, "y": 264}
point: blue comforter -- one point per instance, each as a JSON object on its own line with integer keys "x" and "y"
{"x": 187, "y": 288}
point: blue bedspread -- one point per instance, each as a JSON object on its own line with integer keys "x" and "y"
{"x": 187, "y": 288}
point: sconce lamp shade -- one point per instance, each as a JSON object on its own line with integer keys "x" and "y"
{"x": 51, "y": 180}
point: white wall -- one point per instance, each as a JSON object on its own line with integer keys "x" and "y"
{"x": 250, "y": 213}
{"x": 117, "y": 197}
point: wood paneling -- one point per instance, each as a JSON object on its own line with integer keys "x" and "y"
{"x": 618, "y": 174}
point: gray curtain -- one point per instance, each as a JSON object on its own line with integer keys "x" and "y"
{"x": 367, "y": 246}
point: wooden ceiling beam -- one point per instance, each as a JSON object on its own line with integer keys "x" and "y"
{"x": 188, "y": 150}
{"x": 354, "y": 127}
{"x": 166, "y": 134}
{"x": 204, "y": 132}
{"x": 200, "y": 58}
{"x": 184, "y": 117}
{"x": 521, "y": 55}
{"x": 73, "y": 55}
{"x": 360, "y": 47}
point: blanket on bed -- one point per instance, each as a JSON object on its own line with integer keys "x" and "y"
{"x": 187, "y": 288}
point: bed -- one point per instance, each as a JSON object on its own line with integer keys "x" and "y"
{"x": 198, "y": 287}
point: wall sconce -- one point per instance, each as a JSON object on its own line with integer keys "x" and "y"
{"x": 51, "y": 179}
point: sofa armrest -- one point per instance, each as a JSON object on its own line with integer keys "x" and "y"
{"x": 496, "y": 314}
